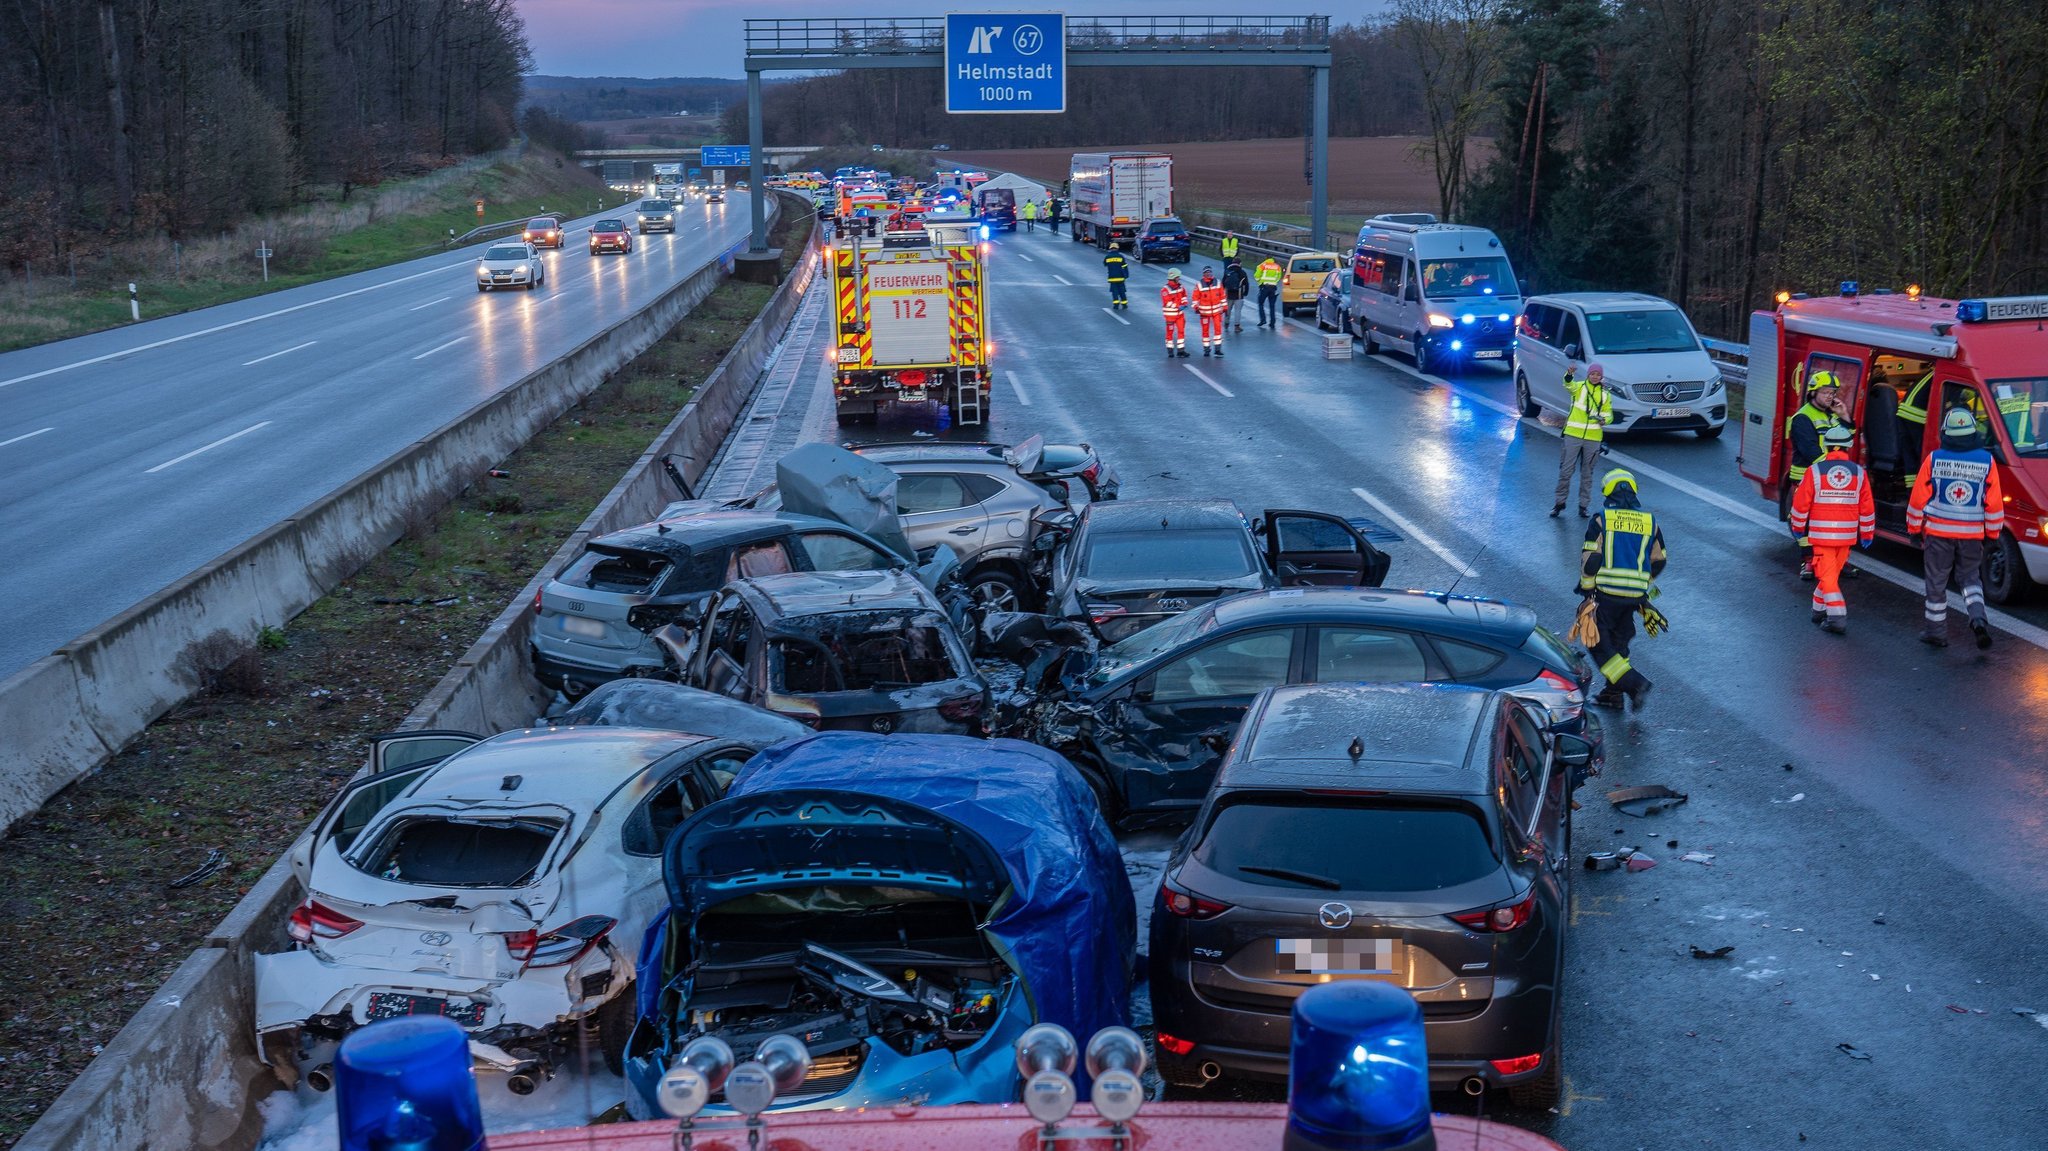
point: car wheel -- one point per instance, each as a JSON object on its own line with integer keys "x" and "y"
{"x": 1547, "y": 1089}
{"x": 1105, "y": 795}
{"x": 1366, "y": 336}
{"x": 996, "y": 590}
{"x": 1523, "y": 399}
{"x": 1422, "y": 356}
{"x": 2005, "y": 571}
{"x": 1713, "y": 433}
{"x": 614, "y": 1026}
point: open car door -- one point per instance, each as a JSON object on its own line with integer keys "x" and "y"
{"x": 352, "y": 811}
{"x": 399, "y": 749}
{"x": 1315, "y": 548}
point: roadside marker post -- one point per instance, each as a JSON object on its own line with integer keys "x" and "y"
{"x": 263, "y": 254}
{"x": 134, "y": 306}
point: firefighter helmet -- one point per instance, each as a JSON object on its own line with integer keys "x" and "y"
{"x": 1839, "y": 436}
{"x": 1172, "y": 274}
{"x": 1822, "y": 379}
{"x": 1616, "y": 478}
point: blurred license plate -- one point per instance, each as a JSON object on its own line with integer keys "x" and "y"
{"x": 393, "y": 1004}
{"x": 1671, "y": 413}
{"x": 577, "y": 625}
{"x": 1333, "y": 956}
{"x": 1487, "y": 354}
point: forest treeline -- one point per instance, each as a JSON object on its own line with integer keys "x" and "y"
{"x": 135, "y": 117}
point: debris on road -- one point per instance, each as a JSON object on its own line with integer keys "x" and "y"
{"x": 1645, "y": 801}
{"x": 1721, "y": 952}
{"x": 1794, "y": 799}
{"x": 1610, "y": 860}
{"x": 216, "y": 862}
{"x": 1641, "y": 862}
{"x": 1701, "y": 857}
{"x": 1852, "y": 1051}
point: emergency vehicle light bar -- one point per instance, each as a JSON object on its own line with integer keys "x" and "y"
{"x": 2007, "y": 308}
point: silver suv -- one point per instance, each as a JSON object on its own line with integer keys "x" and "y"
{"x": 980, "y": 499}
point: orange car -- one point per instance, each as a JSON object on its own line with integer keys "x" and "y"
{"x": 543, "y": 232}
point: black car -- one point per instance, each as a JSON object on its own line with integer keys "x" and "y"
{"x": 1146, "y": 720}
{"x": 1132, "y": 563}
{"x": 1412, "y": 834}
{"x": 1164, "y": 240}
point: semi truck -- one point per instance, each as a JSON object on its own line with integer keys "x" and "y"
{"x": 910, "y": 318}
{"x": 1111, "y": 193}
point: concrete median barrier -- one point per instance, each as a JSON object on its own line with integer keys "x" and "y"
{"x": 183, "y": 1074}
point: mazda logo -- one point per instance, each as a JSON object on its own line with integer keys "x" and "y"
{"x": 1335, "y": 916}
{"x": 436, "y": 938}
{"x": 1670, "y": 391}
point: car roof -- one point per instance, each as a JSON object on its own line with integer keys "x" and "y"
{"x": 1476, "y": 617}
{"x": 698, "y": 530}
{"x": 962, "y": 453}
{"x": 791, "y": 594}
{"x": 1601, "y": 301}
{"x": 1143, "y": 515}
{"x": 576, "y": 767}
{"x": 1411, "y": 737}
{"x": 1293, "y": 256}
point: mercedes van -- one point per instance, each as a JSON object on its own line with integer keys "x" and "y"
{"x": 1444, "y": 293}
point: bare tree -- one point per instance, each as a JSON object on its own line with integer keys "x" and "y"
{"x": 1458, "y": 46}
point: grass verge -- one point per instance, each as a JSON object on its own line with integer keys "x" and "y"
{"x": 319, "y": 242}
{"x": 89, "y": 924}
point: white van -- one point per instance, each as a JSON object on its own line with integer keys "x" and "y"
{"x": 1444, "y": 293}
{"x": 1659, "y": 376}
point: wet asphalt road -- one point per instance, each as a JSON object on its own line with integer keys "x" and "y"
{"x": 1876, "y": 811}
{"x": 130, "y": 457}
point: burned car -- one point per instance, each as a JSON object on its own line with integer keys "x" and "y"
{"x": 1147, "y": 719}
{"x": 667, "y": 706}
{"x": 1132, "y": 563}
{"x": 861, "y": 651}
{"x": 502, "y": 883}
{"x": 905, "y": 906}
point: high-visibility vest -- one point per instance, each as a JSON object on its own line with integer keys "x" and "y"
{"x": 1119, "y": 268}
{"x": 1913, "y": 408}
{"x": 1957, "y": 497}
{"x": 1626, "y": 539}
{"x": 1591, "y": 410}
{"x": 1030, "y": 210}
{"x": 1833, "y": 506}
{"x": 1822, "y": 421}
{"x": 1229, "y": 246}
{"x": 1210, "y": 300}
{"x": 1173, "y": 299}
{"x": 1268, "y": 274}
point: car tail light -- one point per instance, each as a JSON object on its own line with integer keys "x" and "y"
{"x": 1518, "y": 1064}
{"x": 1188, "y": 905}
{"x": 1553, "y": 680}
{"x": 1092, "y": 472}
{"x": 565, "y": 944}
{"x": 960, "y": 709}
{"x": 311, "y": 921}
{"x": 1174, "y": 1044}
{"x": 1104, "y": 612}
{"x": 1500, "y": 918}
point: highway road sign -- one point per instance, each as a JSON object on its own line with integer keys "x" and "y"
{"x": 1006, "y": 62}
{"x": 726, "y": 156}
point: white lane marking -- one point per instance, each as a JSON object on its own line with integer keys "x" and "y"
{"x": 439, "y": 347}
{"x": 1018, "y": 384}
{"x": 1204, "y": 377}
{"x": 2005, "y": 622}
{"x": 430, "y": 303}
{"x": 26, "y": 436}
{"x": 274, "y": 355}
{"x": 1025, "y": 258}
{"x": 1117, "y": 318}
{"x": 1415, "y": 533}
{"x": 1063, "y": 279}
{"x": 226, "y": 326}
{"x": 207, "y": 448}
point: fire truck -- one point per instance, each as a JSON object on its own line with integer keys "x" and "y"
{"x": 1986, "y": 356}
{"x": 910, "y": 317}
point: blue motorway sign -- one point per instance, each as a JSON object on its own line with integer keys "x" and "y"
{"x": 1006, "y": 62}
{"x": 726, "y": 155}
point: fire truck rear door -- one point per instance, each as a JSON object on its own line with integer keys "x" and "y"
{"x": 909, "y": 311}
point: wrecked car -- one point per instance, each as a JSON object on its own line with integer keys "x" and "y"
{"x": 1147, "y": 719}
{"x": 861, "y": 651}
{"x": 503, "y": 883}
{"x": 906, "y": 906}
{"x": 658, "y": 703}
{"x": 1132, "y": 563}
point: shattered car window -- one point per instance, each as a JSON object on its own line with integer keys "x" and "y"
{"x": 864, "y": 653}
{"x": 1163, "y": 636}
{"x": 444, "y": 851}
{"x": 1184, "y": 555}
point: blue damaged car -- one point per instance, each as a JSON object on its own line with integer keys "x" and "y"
{"x": 905, "y": 905}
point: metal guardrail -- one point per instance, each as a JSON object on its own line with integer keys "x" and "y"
{"x": 1731, "y": 358}
{"x": 487, "y": 229}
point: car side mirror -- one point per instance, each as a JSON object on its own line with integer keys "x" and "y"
{"x": 1576, "y": 753}
{"x": 1571, "y": 351}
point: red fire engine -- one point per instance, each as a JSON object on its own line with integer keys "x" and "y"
{"x": 1888, "y": 349}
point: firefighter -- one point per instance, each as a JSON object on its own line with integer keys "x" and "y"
{"x": 1210, "y": 304}
{"x": 1624, "y": 552}
{"x": 1119, "y": 270}
{"x": 1267, "y": 277}
{"x": 1237, "y": 284}
{"x": 1173, "y": 304}
{"x": 1585, "y": 430}
{"x": 1831, "y": 511}
{"x": 1913, "y": 424}
{"x": 1229, "y": 246}
{"x": 1957, "y": 504}
{"x": 1820, "y": 411}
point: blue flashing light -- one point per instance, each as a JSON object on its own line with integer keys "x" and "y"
{"x": 1486, "y": 291}
{"x": 1972, "y": 311}
{"x": 1457, "y": 345}
{"x": 1359, "y": 1076}
{"x": 1467, "y": 318}
{"x": 1849, "y": 287}
{"x": 405, "y": 1085}
{"x": 984, "y": 231}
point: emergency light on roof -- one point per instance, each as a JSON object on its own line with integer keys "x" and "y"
{"x": 1849, "y": 288}
{"x": 2008, "y": 308}
{"x": 407, "y": 1083}
{"x": 1358, "y": 1078}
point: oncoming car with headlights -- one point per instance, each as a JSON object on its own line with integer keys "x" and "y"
{"x": 657, "y": 216}
{"x": 510, "y": 265}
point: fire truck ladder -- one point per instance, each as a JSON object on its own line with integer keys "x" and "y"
{"x": 967, "y": 393}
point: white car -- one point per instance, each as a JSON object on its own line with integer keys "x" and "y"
{"x": 504, "y": 883}
{"x": 1659, "y": 376}
{"x": 511, "y": 264}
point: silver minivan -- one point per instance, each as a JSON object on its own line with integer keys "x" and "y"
{"x": 1444, "y": 293}
{"x": 1659, "y": 375}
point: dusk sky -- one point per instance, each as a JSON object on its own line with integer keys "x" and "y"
{"x": 703, "y": 37}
